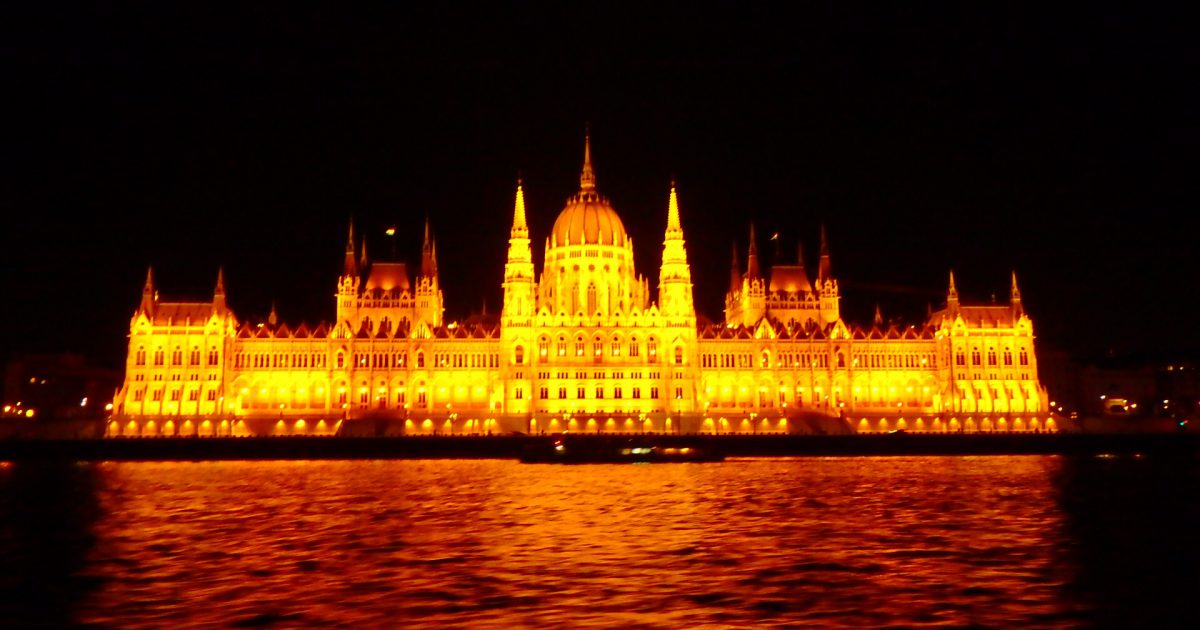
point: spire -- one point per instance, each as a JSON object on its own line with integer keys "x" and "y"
{"x": 350, "y": 269}
{"x": 149, "y": 295}
{"x": 519, "y": 226}
{"x": 823, "y": 264}
{"x": 735, "y": 274}
{"x": 878, "y": 316}
{"x": 273, "y": 318}
{"x": 428, "y": 253}
{"x": 752, "y": 258}
{"x": 952, "y": 293}
{"x": 1016, "y": 293}
{"x": 362, "y": 264}
{"x": 587, "y": 178}
{"x": 673, "y": 211}
{"x": 219, "y": 290}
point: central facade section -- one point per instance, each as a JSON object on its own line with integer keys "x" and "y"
{"x": 585, "y": 337}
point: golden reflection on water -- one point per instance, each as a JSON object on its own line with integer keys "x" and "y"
{"x": 823, "y": 541}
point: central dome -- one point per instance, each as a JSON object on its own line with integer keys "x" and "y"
{"x": 587, "y": 218}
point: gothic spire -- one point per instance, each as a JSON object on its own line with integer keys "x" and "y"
{"x": 952, "y": 293}
{"x": 1016, "y": 293}
{"x": 587, "y": 178}
{"x": 519, "y": 227}
{"x": 673, "y": 212}
{"x": 149, "y": 295}
{"x": 823, "y": 264}
{"x": 428, "y": 253}
{"x": 752, "y": 258}
{"x": 219, "y": 290}
{"x": 350, "y": 268}
{"x": 735, "y": 274}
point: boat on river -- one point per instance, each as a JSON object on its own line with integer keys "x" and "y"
{"x": 602, "y": 450}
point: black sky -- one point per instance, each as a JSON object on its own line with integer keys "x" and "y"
{"x": 1057, "y": 143}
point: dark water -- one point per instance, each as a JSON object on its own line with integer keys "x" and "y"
{"x": 1009, "y": 542}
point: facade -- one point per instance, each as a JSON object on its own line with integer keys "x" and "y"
{"x": 581, "y": 345}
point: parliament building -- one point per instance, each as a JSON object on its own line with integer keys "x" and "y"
{"x": 581, "y": 345}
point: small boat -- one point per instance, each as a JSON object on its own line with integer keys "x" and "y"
{"x": 601, "y": 450}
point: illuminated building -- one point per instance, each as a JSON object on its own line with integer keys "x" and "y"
{"x": 581, "y": 345}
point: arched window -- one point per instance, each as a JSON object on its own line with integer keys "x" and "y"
{"x": 591, "y": 298}
{"x": 633, "y": 346}
{"x": 341, "y": 360}
{"x": 519, "y": 355}
{"x": 678, "y": 355}
{"x": 177, "y": 356}
{"x": 616, "y": 346}
{"x": 579, "y": 345}
{"x": 562, "y": 346}
{"x": 597, "y": 346}
{"x": 420, "y": 359}
{"x": 141, "y": 355}
{"x": 652, "y": 347}
{"x": 765, "y": 361}
{"x": 544, "y": 346}
{"x": 841, "y": 360}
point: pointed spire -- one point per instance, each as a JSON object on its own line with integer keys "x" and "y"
{"x": 362, "y": 263}
{"x": 673, "y": 211}
{"x": 428, "y": 253}
{"x": 220, "y": 288}
{"x": 350, "y": 268}
{"x": 752, "y": 257}
{"x": 823, "y": 265}
{"x": 1015, "y": 293}
{"x": 952, "y": 293}
{"x": 735, "y": 274}
{"x": 273, "y": 318}
{"x": 519, "y": 225}
{"x": 587, "y": 178}
{"x": 878, "y": 321}
{"x": 149, "y": 295}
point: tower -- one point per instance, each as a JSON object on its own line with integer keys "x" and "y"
{"x": 675, "y": 276}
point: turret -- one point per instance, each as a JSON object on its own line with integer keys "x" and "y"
{"x": 219, "y": 292}
{"x": 519, "y": 284}
{"x": 675, "y": 276}
{"x": 823, "y": 273}
{"x": 952, "y": 296}
{"x": 149, "y": 295}
{"x": 1015, "y": 298}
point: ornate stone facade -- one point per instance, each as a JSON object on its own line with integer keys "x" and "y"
{"x": 579, "y": 346}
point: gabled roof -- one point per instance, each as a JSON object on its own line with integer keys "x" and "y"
{"x": 180, "y": 312}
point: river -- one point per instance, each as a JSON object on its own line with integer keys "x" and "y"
{"x": 988, "y": 541}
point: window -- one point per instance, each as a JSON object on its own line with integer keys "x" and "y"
{"x": 678, "y": 355}
{"x": 975, "y": 357}
{"x": 591, "y": 299}
{"x": 158, "y": 356}
{"x": 581, "y": 392}
{"x": 765, "y": 361}
{"x": 633, "y": 347}
{"x": 1024, "y": 357}
{"x": 991, "y": 356}
{"x": 1008, "y": 356}
{"x": 637, "y": 392}
{"x": 519, "y": 393}
{"x": 194, "y": 357}
{"x": 341, "y": 360}
{"x": 678, "y": 393}
{"x": 599, "y": 392}
{"x": 562, "y": 392}
{"x": 193, "y": 395}
{"x": 598, "y": 347}
{"x": 652, "y": 348}
{"x": 141, "y": 355}
{"x": 543, "y": 346}
{"x": 579, "y": 346}
{"x": 138, "y": 395}
{"x": 543, "y": 392}
{"x": 960, "y": 358}
{"x": 156, "y": 395}
{"x": 616, "y": 347}
{"x": 519, "y": 355}
{"x": 617, "y": 392}
{"x": 213, "y": 356}
{"x": 212, "y": 395}
{"x": 562, "y": 346}
{"x": 420, "y": 359}
{"x": 654, "y": 393}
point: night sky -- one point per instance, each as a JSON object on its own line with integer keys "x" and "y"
{"x": 924, "y": 138}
